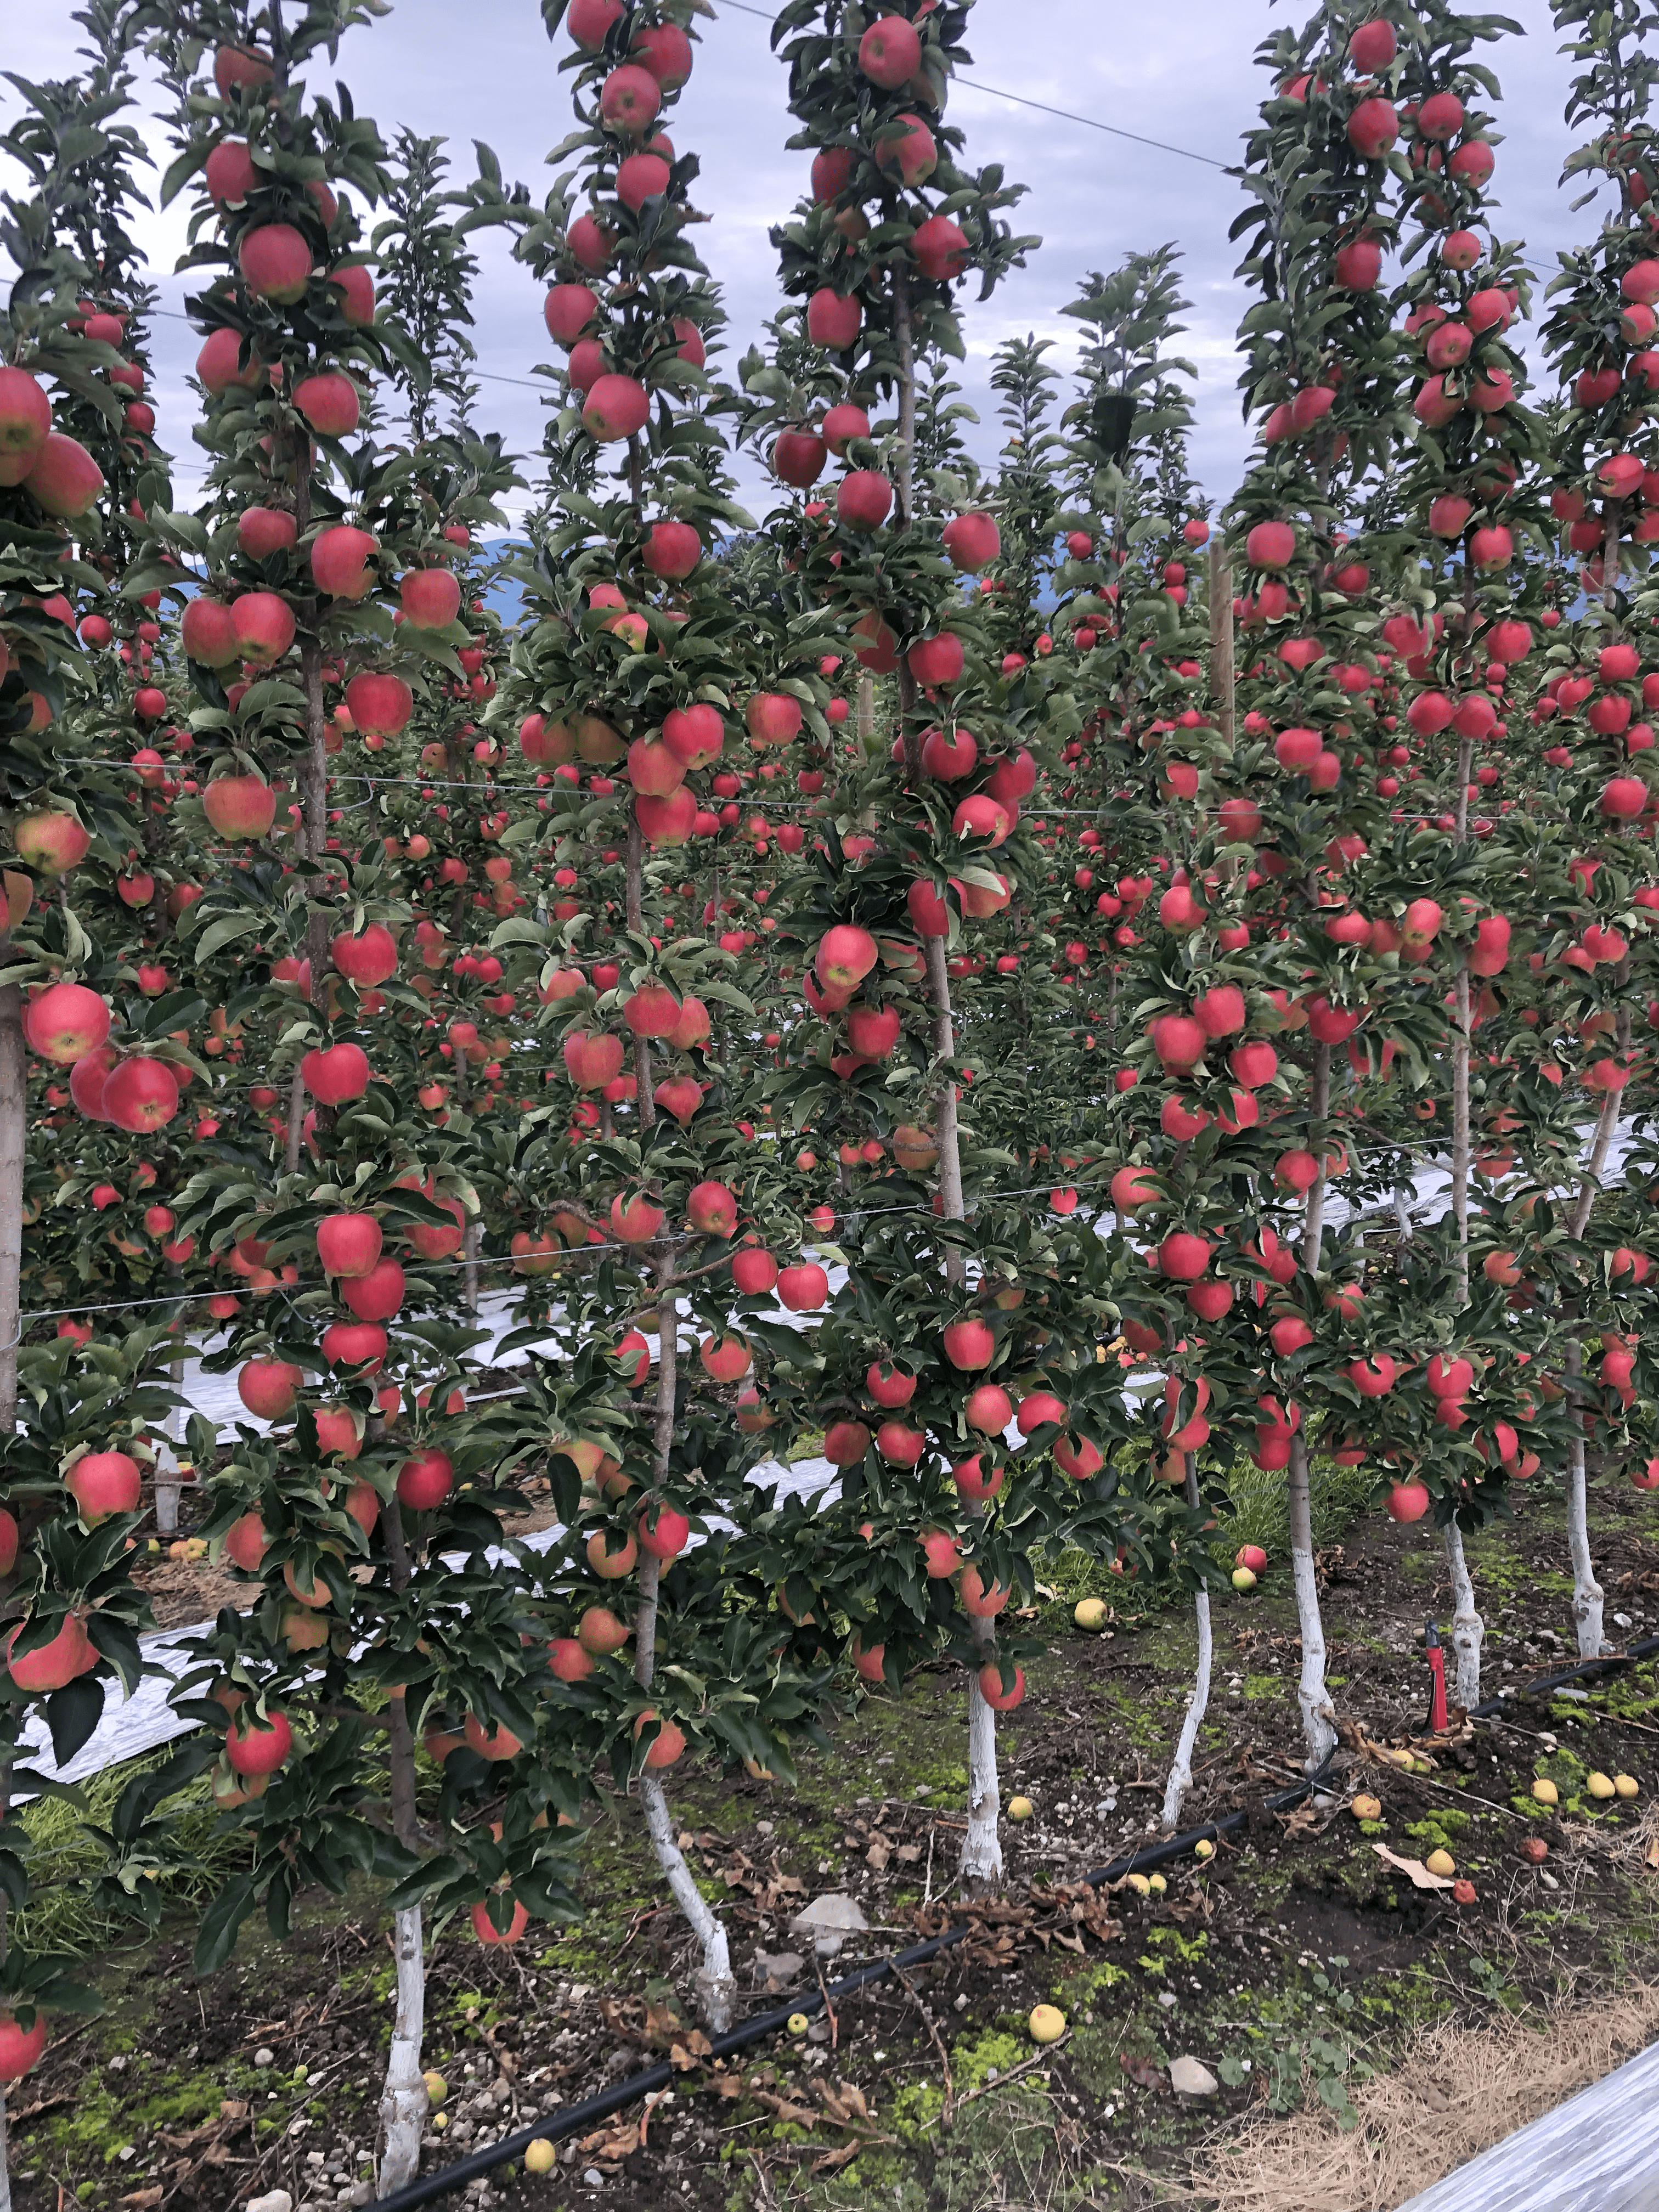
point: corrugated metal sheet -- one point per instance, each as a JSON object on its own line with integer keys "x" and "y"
{"x": 1597, "y": 2153}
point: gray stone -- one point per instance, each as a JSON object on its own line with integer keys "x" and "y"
{"x": 274, "y": 2200}
{"x": 830, "y": 1920}
{"x": 1188, "y": 2078}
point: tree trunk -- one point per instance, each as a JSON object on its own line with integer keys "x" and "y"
{"x": 1181, "y": 1769}
{"x": 1586, "y": 1590}
{"x": 1221, "y": 636}
{"x": 14, "y": 1129}
{"x": 296, "y": 1120}
{"x": 1311, "y": 1693}
{"x": 1468, "y": 1630}
{"x": 1468, "y": 1627}
{"x": 403, "y": 2096}
{"x": 402, "y": 2093}
{"x": 717, "y": 1987}
{"x": 1587, "y": 1594}
{"x": 980, "y": 1869}
{"x": 716, "y": 1984}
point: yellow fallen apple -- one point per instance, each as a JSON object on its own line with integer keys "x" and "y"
{"x": 1047, "y": 2023}
{"x": 1203, "y": 1849}
{"x": 1243, "y": 1579}
{"x": 1020, "y": 1808}
{"x": 1599, "y": 1785}
{"x": 539, "y": 2157}
{"x": 1157, "y": 1884}
{"x": 1440, "y": 1863}
{"x": 1365, "y": 1809}
{"x": 440, "y": 2121}
{"x": 1139, "y": 1883}
{"x": 1545, "y": 1791}
{"x": 798, "y": 2023}
{"x": 1626, "y": 1784}
{"x": 437, "y": 2089}
{"x": 1090, "y": 1613}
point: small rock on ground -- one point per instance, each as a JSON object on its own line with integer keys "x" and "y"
{"x": 1189, "y": 2078}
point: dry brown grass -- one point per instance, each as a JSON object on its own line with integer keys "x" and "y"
{"x": 1410, "y": 2131}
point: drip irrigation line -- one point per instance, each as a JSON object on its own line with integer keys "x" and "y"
{"x": 569, "y": 2120}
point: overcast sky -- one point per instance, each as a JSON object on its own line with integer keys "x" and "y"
{"x": 1180, "y": 73}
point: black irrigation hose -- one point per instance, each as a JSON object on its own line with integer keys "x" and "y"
{"x": 1647, "y": 1649}
{"x": 570, "y": 2119}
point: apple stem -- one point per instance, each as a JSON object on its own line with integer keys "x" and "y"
{"x": 1180, "y": 1768}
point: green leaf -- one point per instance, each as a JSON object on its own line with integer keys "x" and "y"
{"x": 222, "y": 1924}
{"x": 72, "y": 1713}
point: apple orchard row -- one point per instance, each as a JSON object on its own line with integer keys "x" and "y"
{"x": 979, "y": 977}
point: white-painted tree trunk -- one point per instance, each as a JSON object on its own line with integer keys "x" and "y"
{"x": 1468, "y": 1630}
{"x": 1468, "y": 1627}
{"x": 1181, "y": 1768}
{"x": 1311, "y": 1693}
{"x": 402, "y": 2095}
{"x": 717, "y": 1988}
{"x": 1586, "y": 1590}
{"x": 981, "y": 1849}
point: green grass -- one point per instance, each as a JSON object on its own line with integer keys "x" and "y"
{"x": 1259, "y": 1511}
{"x": 65, "y": 1861}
